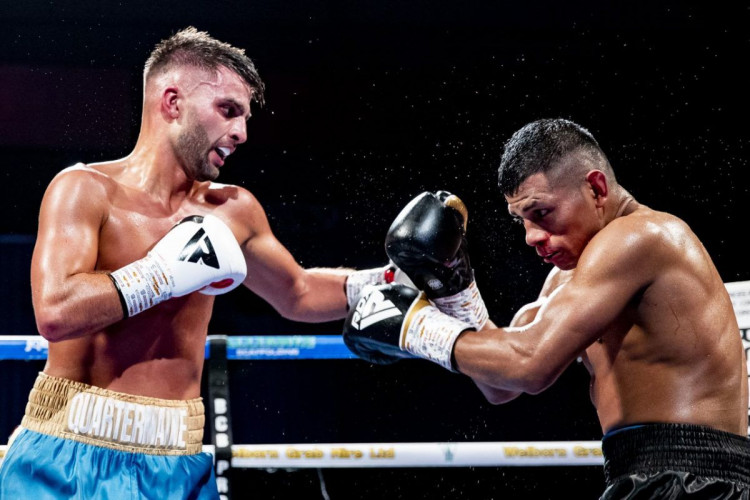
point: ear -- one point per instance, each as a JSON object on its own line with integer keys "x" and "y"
{"x": 598, "y": 185}
{"x": 170, "y": 102}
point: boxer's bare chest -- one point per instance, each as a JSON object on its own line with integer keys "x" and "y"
{"x": 134, "y": 223}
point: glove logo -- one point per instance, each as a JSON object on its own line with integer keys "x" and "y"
{"x": 372, "y": 308}
{"x": 200, "y": 250}
{"x": 435, "y": 284}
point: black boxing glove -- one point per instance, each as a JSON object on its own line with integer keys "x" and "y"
{"x": 393, "y": 322}
{"x": 427, "y": 241}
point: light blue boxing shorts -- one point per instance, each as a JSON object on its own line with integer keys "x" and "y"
{"x": 82, "y": 442}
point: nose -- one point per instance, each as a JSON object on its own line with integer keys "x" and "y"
{"x": 239, "y": 131}
{"x": 534, "y": 234}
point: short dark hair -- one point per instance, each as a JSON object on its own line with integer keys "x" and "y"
{"x": 537, "y": 147}
{"x": 190, "y": 47}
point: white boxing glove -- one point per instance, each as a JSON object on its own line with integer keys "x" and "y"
{"x": 357, "y": 280}
{"x": 198, "y": 253}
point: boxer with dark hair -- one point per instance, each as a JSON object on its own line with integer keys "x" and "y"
{"x": 633, "y": 293}
{"x": 128, "y": 258}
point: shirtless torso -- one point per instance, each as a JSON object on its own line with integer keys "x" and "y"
{"x": 673, "y": 354}
{"x": 93, "y": 220}
{"x": 159, "y": 352}
{"x": 642, "y": 304}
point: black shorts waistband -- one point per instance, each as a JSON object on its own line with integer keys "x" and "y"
{"x": 652, "y": 448}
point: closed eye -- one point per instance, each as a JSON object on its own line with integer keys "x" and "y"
{"x": 535, "y": 216}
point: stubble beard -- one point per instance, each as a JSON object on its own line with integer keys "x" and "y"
{"x": 193, "y": 147}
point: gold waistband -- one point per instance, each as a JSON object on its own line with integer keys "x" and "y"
{"x": 126, "y": 422}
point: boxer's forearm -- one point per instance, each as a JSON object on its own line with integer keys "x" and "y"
{"x": 498, "y": 396}
{"x": 317, "y": 297}
{"x": 496, "y": 360}
{"x": 493, "y": 394}
{"x": 82, "y": 304}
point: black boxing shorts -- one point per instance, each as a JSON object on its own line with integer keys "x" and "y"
{"x": 671, "y": 461}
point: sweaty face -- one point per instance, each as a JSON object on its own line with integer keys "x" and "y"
{"x": 559, "y": 220}
{"x": 214, "y": 122}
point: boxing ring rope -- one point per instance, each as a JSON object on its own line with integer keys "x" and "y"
{"x": 345, "y": 455}
{"x": 220, "y": 349}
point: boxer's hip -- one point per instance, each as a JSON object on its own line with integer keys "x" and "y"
{"x": 642, "y": 460}
{"x": 72, "y": 410}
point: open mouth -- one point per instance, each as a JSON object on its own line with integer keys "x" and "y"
{"x": 223, "y": 152}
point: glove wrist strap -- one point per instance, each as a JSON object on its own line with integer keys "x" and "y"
{"x": 357, "y": 280}
{"x": 467, "y": 306}
{"x": 142, "y": 284}
{"x": 431, "y": 335}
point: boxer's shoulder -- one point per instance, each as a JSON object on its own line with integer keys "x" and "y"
{"x": 80, "y": 184}
{"x": 631, "y": 235}
{"x": 84, "y": 179}
{"x": 237, "y": 206}
{"x": 83, "y": 171}
{"x": 641, "y": 249}
{"x": 216, "y": 193}
{"x": 648, "y": 234}
{"x": 230, "y": 199}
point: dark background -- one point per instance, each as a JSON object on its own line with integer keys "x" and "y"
{"x": 368, "y": 104}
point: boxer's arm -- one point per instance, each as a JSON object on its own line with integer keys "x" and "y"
{"x": 70, "y": 299}
{"x": 525, "y": 315}
{"x": 577, "y": 312}
{"x": 493, "y": 394}
{"x": 310, "y": 295}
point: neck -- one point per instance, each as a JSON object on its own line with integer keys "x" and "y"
{"x": 626, "y": 205}
{"x": 153, "y": 168}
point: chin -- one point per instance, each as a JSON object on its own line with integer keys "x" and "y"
{"x": 207, "y": 173}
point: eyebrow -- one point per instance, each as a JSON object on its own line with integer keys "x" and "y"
{"x": 524, "y": 208}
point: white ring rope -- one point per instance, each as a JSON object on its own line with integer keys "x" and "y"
{"x": 449, "y": 454}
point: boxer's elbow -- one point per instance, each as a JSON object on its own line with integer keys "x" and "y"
{"x": 51, "y": 324}
{"x": 293, "y": 309}
{"x": 526, "y": 373}
{"x": 291, "y": 306}
{"x": 292, "y": 314}
{"x": 499, "y": 396}
{"x": 537, "y": 375}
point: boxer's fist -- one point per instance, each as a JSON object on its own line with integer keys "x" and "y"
{"x": 198, "y": 253}
{"x": 427, "y": 240}
{"x": 358, "y": 280}
{"x": 392, "y": 322}
{"x": 373, "y": 327}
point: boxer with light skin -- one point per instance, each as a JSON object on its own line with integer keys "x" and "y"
{"x": 128, "y": 257}
{"x": 633, "y": 293}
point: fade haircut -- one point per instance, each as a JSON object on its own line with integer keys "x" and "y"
{"x": 190, "y": 47}
{"x": 538, "y": 146}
